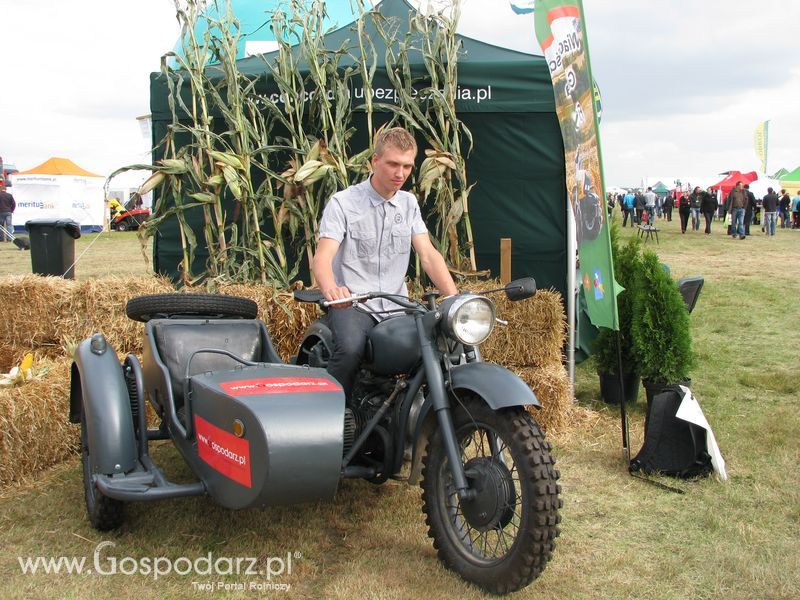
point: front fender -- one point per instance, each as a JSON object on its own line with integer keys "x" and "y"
{"x": 496, "y": 385}
{"x": 499, "y": 387}
{"x": 99, "y": 387}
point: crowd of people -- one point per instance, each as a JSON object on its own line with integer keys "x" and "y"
{"x": 739, "y": 209}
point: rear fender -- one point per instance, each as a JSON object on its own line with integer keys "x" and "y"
{"x": 317, "y": 331}
{"x": 98, "y": 386}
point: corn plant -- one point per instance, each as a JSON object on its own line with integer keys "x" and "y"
{"x": 260, "y": 171}
{"x": 428, "y": 106}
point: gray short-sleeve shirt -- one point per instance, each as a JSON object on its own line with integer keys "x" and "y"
{"x": 375, "y": 237}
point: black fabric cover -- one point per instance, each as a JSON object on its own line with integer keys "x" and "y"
{"x": 672, "y": 446}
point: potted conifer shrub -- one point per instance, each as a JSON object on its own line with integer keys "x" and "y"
{"x": 627, "y": 265}
{"x": 660, "y": 328}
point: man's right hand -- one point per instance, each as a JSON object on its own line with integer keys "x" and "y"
{"x": 336, "y": 293}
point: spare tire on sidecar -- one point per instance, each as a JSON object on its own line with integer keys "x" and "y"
{"x": 253, "y": 430}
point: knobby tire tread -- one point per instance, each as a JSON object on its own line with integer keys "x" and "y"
{"x": 144, "y": 308}
{"x": 528, "y": 556}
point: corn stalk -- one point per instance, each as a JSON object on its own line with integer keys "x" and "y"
{"x": 260, "y": 170}
{"x": 427, "y": 105}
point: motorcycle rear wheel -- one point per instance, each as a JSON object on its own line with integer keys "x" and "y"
{"x": 502, "y": 539}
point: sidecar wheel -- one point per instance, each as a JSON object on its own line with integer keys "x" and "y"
{"x": 502, "y": 539}
{"x": 104, "y": 513}
{"x": 154, "y": 306}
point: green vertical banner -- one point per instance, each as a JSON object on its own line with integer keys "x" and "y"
{"x": 561, "y": 32}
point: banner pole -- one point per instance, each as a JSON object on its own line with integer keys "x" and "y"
{"x": 622, "y": 407}
{"x": 572, "y": 291}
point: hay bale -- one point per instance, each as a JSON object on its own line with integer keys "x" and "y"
{"x": 32, "y": 305}
{"x": 98, "y": 305}
{"x": 51, "y": 313}
{"x": 535, "y": 334}
{"x": 552, "y": 388}
{"x": 34, "y": 430}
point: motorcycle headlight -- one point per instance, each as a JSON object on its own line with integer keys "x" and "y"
{"x": 470, "y": 319}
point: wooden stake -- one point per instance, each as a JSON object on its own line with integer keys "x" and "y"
{"x": 505, "y": 260}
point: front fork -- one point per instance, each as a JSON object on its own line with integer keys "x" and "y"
{"x": 426, "y": 324}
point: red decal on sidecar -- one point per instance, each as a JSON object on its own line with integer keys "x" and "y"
{"x": 223, "y": 451}
{"x": 279, "y": 385}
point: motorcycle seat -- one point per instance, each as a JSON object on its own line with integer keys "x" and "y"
{"x": 175, "y": 340}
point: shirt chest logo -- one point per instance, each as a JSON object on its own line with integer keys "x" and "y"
{"x": 398, "y": 219}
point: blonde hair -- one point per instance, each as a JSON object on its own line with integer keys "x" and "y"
{"x": 396, "y": 137}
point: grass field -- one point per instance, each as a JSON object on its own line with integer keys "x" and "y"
{"x": 621, "y": 537}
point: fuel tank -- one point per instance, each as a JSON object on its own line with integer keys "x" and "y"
{"x": 393, "y": 346}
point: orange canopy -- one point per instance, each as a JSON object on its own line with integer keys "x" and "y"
{"x": 58, "y": 166}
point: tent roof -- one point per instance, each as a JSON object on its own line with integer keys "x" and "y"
{"x": 734, "y": 176}
{"x": 58, "y": 166}
{"x": 490, "y": 78}
{"x": 793, "y": 176}
{"x": 780, "y": 173}
{"x": 660, "y": 188}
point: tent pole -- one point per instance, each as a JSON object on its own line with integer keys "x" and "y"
{"x": 571, "y": 293}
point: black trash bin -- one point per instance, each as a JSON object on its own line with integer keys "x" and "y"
{"x": 53, "y": 246}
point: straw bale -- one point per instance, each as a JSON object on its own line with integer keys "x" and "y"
{"x": 552, "y": 388}
{"x": 535, "y": 334}
{"x": 50, "y": 313}
{"x": 34, "y": 430}
{"x": 32, "y": 305}
{"x": 98, "y": 305}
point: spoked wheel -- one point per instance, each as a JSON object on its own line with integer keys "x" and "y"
{"x": 104, "y": 513}
{"x": 502, "y": 538}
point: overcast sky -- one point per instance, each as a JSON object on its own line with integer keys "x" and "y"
{"x": 684, "y": 82}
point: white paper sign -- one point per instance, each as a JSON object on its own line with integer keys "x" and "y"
{"x": 690, "y": 411}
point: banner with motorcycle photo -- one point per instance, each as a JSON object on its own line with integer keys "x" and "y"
{"x": 561, "y": 32}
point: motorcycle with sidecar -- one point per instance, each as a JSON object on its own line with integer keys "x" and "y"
{"x": 257, "y": 432}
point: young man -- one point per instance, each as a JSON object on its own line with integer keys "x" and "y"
{"x": 738, "y": 200}
{"x": 365, "y": 239}
{"x": 769, "y": 206}
{"x": 650, "y": 204}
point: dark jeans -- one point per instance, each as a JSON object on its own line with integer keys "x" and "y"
{"x": 668, "y": 212}
{"x": 350, "y": 328}
{"x": 709, "y": 217}
{"x": 684, "y": 214}
{"x": 625, "y": 214}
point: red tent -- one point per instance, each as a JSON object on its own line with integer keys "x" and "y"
{"x": 726, "y": 185}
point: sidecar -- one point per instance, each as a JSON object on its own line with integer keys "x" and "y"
{"x": 253, "y": 430}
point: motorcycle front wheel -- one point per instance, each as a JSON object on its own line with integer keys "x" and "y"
{"x": 503, "y": 537}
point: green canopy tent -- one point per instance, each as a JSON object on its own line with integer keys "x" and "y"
{"x": 517, "y": 163}
{"x": 793, "y": 176}
{"x": 782, "y": 172}
{"x": 661, "y": 189}
{"x": 791, "y": 181}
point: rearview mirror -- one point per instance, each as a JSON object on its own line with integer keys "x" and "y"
{"x": 519, "y": 289}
